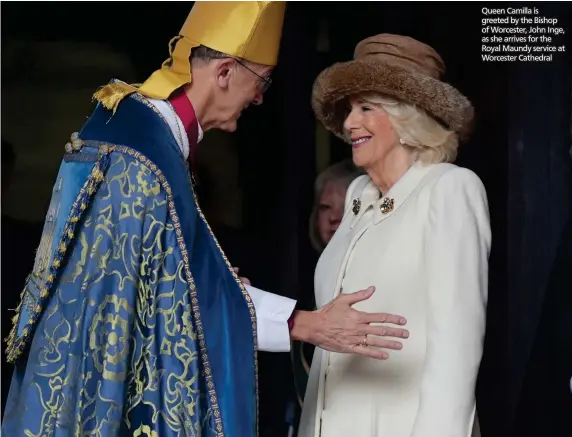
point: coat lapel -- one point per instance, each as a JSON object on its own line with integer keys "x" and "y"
{"x": 369, "y": 208}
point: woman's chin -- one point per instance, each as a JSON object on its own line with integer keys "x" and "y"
{"x": 358, "y": 160}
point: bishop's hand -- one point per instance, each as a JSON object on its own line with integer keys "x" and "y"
{"x": 244, "y": 280}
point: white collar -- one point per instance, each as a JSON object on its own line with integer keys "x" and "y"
{"x": 385, "y": 206}
{"x": 176, "y": 125}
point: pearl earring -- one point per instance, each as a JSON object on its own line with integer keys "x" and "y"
{"x": 401, "y": 141}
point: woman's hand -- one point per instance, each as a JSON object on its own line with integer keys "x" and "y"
{"x": 337, "y": 327}
{"x": 245, "y": 281}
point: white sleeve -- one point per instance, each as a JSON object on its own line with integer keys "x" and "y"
{"x": 458, "y": 240}
{"x": 272, "y": 314}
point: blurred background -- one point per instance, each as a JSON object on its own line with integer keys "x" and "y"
{"x": 257, "y": 185}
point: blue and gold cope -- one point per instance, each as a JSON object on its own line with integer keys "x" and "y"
{"x": 133, "y": 322}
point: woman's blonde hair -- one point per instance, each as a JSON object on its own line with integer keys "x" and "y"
{"x": 428, "y": 139}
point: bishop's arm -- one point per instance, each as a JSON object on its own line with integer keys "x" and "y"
{"x": 272, "y": 315}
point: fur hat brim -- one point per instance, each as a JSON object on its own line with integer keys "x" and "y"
{"x": 337, "y": 83}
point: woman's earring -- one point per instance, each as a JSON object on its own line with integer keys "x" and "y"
{"x": 402, "y": 141}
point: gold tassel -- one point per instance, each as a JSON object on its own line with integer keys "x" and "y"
{"x": 11, "y": 339}
{"x": 111, "y": 95}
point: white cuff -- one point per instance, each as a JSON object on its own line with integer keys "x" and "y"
{"x": 272, "y": 314}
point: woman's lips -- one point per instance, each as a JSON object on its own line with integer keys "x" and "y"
{"x": 357, "y": 142}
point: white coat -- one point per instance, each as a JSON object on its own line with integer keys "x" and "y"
{"x": 425, "y": 247}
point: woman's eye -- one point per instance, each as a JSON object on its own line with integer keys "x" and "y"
{"x": 365, "y": 108}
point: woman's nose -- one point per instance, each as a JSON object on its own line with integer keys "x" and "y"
{"x": 351, "y": 122}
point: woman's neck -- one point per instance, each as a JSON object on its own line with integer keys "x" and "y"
{"x": 388, "y": 171}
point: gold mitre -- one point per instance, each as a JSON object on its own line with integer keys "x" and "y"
{"x": 243, "y": 29}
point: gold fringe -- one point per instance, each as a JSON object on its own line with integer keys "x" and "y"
{"x": 11, "y": 339}
{"x": 111, "y": 95}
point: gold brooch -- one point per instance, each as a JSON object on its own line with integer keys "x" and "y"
{"x": 357, "y": 206}
{"x": 386, "y": 205}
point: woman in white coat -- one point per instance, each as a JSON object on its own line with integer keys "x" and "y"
{"x": 417, "y": 227}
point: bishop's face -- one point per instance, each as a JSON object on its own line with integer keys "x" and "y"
{"x": 245, "y": 86}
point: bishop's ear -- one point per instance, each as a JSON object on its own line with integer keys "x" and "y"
{"x": 223, "y": 71}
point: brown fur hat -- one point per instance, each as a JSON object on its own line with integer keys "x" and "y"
{"x": 397, "y": 66}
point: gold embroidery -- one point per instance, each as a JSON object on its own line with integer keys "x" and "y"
{"x": 61, "y": 409}
{"x": 15, "y": 343}
{"x": 187, "y": 270}
{"x": 247, "y": 297}
{"x": 43, "y": 253}
{"x": 145, "y": 431}
{"x": 110, "y": 352}
{"x": 58, "y": 379}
